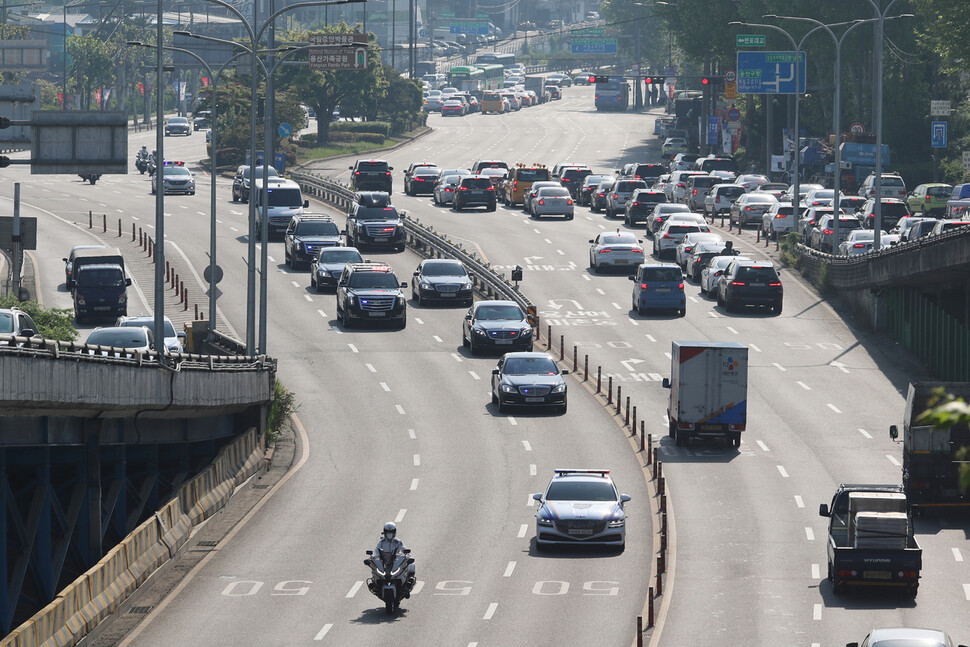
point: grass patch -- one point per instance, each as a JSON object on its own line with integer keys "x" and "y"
{"x": 354, "y": 148}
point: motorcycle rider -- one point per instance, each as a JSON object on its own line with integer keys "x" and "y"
{"x": 388, "y": 546}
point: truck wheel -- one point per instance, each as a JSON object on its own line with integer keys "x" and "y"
{"x": 912, "y": 591}
{"x": 681, "y": 438}
{"x": 736, "y": 440}
{"x": 671, "y": 428}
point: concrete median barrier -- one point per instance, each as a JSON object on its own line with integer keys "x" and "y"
{"x": 110, "y": 583}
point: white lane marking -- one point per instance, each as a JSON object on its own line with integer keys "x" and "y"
{"x": 763, "y": 447}
{"x": 532, "y": 469}
{"x": 782, "y": 471}
{"x": 839, "y": 366}
{"x": 711, "y": 313}
{"x": 526, "y": 445}
{"x": 600, "y": 290}
{"x": 966, "y": 591}
{"x": 816, "y": 572}
{"x": 865, "y": 433}
{"x": 586, "y": 276}
{"x": 732, "y": 330}
{"x": 509, "y": 569}
{"x": 353, "y": 348}
{"x": 231, "y": 228}
{"x": 530, "y": 502}
{"x": 650, "y": 338}
{"x": 754, "y": 348}
{"x": 833, "y": 407}
{"x": 617, "y": 306}
{"x": 308, "y": 298}
{"x": 524, "y": 528}
{"x": 271, "y": 259}
{"x": 512, "y": 421}
{"x": 780, "y": 367}
{"x": 370, "y": 367}
{"x": 355, "y": 588}
{"x": 323, "y": 314}
{"x": 957, "y": 555}
{"x": 418, "y": 321}
{"x": 417, "y": 460}
{"x": 799, "y": 502}
{"x": 472, "y": 644}
{"x": 217, "y": 220}
{"x": 667, "y": 355}
{"x": 892, "y": 459}
{"x": 656, "y": 377}
{"x": 560, "y": 252}
{"x": 804, "y": 386}
{"x": 436, "y": 338}
{"x": 817, "y": 611}
{"x": 400, "y": 515}
{"x": 399, "y": 408}
{"x": 295, "y": 284}
{"x": 414, "y": 484}
{"x": 809, "y": 534}
{"x": 474, "y": 375}
{"x": 385, "y": 387}
{"x": 491, "y": 611}
{"x": 417, "y": 587}
{"x": 634, "y": 322}
{"x": 412, "y": 435}
{"x": 457, "y": 357}
{"x": 548, "y": 241}
{"x": 323, "y": 632}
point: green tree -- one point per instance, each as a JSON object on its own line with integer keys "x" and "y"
{"x": 403, "y": 102}
{"x": 947, "y": 411}
{"x": 53, "y": 323}
{"x": 93, "y": 66}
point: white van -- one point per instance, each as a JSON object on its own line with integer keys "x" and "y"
{"x": 285, "y": 202}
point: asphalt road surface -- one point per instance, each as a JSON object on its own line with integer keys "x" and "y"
{"x": 399, "y": 427}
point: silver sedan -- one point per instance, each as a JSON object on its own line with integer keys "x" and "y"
{"x": 552, "y": 201}
{"x": 444, "y": 189}
{"x": 615, "y": 249}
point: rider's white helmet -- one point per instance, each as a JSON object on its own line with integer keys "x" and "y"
{"x": 390, "y": 530}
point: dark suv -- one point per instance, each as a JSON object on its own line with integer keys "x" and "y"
{"x": 374, "y": 221}
{"x": 474, "y": 191}
{"x": 371, "y": 292}
{"x": 572, "y": 178}
{"x": 371, "y": 175}
{"x": 306, "y": 235}
{"x": 240, "y": 183}
{"x": 640, "y": 205}
{"x": 746, "y": 282}
{"x": 646, "y": 172}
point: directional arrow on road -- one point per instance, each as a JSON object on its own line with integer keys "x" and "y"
{"x": 629, "y": 363}
{"x": 530, "y": 260}
{"x": 554, "y": 303}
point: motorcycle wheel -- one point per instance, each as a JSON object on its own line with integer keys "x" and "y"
{"x": 389, "y": 603}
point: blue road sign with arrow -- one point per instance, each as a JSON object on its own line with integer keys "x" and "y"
{"x": 938, "y": 134}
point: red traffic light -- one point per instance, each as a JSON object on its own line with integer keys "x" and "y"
{"x": 599, "y": 78}
{"x": 648, "y": 80}
{"x": 592, "y": 79}
{"x": 705, "y": 81}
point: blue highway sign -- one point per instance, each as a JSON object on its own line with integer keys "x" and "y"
{"x": 770, "y": 73}
{"x": 938, "y": 134}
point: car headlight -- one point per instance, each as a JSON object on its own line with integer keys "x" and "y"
{"x": 617, "y": 522}
{"x": 353, "y": 299}
{"x": 542, "y": 521}
{"x": 426, "y": 286}
{"x": 507, "y": 388}
{"x": 559, "y": 388}
{"x": 527, "y": 331}
{"x": 479, "y": 331}
{"x": 467, "y": 285}
{"x": 401, "y": 301}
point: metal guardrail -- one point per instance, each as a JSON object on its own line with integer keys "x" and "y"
{"x": 426, "y": 240}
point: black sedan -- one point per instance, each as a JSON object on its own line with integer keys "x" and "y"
{"x": 530, "y": 380}
{"x": 441, "y": 279}
{"x": 496, "y": 325}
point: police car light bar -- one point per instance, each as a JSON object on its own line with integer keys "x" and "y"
{"x": 577, "y": 471}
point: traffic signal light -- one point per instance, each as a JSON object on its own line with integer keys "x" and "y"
{"x": 706, "y": 80}
{"x": 599, "y": 78}
{"x": 654, "y": 80}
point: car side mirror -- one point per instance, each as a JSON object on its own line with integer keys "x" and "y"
{"x": 494, "y": 371}
{"x": 407, "y": 551}
{"x": 624, "y": 498}
{"x": 417, "y": 272}
{"x": 369, "y": 552}
{"x": 403, "y": 213}
{"x": 351, "y": 168}
{"x": 180, "y": 334}
{"x": 127, "y": 282}
{"x": 632, "y": 278}
{"x": 28, "y": 332}
{"x": 823, "y": 510}
{"x": 665, "y": 383}
{"x": 537, "y": 497}
{"x": 403, "y": 284}
{"x": 367, "y": 561}
{"x": 590, "y": 240}
{"x": 65, "y": 260}
{"x": 341, "y": 283}
{"x": 893, "y": 432}
{"x": 390, "y": 168}
{"x": 566, "y": 372}
{"x": 468, "y": 316}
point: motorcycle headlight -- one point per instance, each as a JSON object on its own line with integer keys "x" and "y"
{"x": 559, "y": 388}
{"x": 508, "y": 388}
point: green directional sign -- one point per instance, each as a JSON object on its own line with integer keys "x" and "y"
{"x": 751, "y": 40}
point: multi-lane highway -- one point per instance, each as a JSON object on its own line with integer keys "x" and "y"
{"x": 398, "y": 426}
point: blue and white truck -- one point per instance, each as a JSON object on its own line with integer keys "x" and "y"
{"x": 708, "y": 390}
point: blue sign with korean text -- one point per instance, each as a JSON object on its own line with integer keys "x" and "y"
{"x": 863, "y": 154}
{"x": 770, "y": 72}
{"x": 712, "y": 128}
{"x": 938, "y": 134}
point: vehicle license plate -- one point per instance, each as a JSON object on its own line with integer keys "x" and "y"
{"x": 534, "y": 399}
{"x": 381, "y": 239}
{"x": 710, "y": 427}
{"x": 503, "y": 342}
{"x": 102, "y": 307}
{"x": 580, "y": 531}
{"x": 663, "y": 289}
{"x": 375, "y": 314}
{"x": 876, "y": 575}
{"x": 447, "y": 294}
{"x": 757, "y": 285}
{"x": 620, "y": 261}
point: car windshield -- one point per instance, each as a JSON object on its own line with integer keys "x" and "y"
{"x": 849, "y": 223}
{"x": 730, "y": 192}
{"x": 533, "y": 175}
{"x": 891, "y": 181}
{"x": 427, "y": 170}
{"x": 270, "y": 172}
{"x": 581, "y": 490}
{"x": 863, "y": 235}
{"x": 6, "y": 323}
{"x": 763, "y": 199}
{"x": 683, "y": 229}
{"x": 530, "y": 366}
{"x": 118, "y": 338}
{"x": 176, "y": 170}
{"x": 377, "y": 213}
{"x": 443, "y": 269}
{"x": 340, "y": 256}
{"x": 553, "y": 192}
{"x": 499, "y": 313}
{"x": 372, "y": 166}
{"x": 627, "y": 187}
{"x": 451, "y": 179}
{"x": 150, "y": 324}
{"x": 476, "y": 183}
{"x": 756, "y": 273}
{"x": 285, "y": 197}
{"x": 317, "y": 229}
{"x": 661, "y": 274}
{"x": 896, "y": 209}
{"x": 575, "y": 174}
{"x": 373, "y": 280}
{"x": 178, "y": 121}
{"x": 592, "y": 180}
{"x": 106, "y": 278}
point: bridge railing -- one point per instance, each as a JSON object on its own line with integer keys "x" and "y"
{"x": 487, "y": 281}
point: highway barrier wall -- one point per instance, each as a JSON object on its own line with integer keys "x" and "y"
{"x": 96, "y": 594}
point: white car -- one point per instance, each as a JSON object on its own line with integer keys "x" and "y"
{"x": 779, "y": 219}
{"x": 676, "y": 189}
{"x": 712, "y": 272}
{"x": 581, "y": 507}
{"x": 859, "y": 241}
{"x": 686, "y": 245}
{"x": 173, "y": 340}
{"x": 665, "y": 241}
{"x": 720, "y": 198}
{"x": 615, "y": 249}
{"x": 803, "y": 190}
{"x": 819, "y": 198}
{"x": 136, "y": 339}
{"x": 905, "y": 637}
{"x": 751, "y": 181}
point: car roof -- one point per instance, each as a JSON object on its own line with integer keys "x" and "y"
{"x": 906, "y": 633}
{"x": 753, "y": 263}
{"x": 496, "y": 302}
{"x": 529, "y": 355}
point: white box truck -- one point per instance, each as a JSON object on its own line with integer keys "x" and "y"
{"x": 708, "y": 390}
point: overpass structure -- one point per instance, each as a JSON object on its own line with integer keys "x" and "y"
{"x": 95, "y": 440}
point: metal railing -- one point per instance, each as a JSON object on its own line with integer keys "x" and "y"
{"x": 486, "y": 281}
{"x": 936, "y": 337}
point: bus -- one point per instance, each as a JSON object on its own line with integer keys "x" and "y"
{"x": 494, "y": 57}
{"x": 494, "y": 76}
{"x": 614, "y": 94}
{"x": 467, "y": 78}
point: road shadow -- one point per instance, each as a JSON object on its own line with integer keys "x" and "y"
{"x": 567, "y": 551}
{"x": 378, "y": 615}
{"x": 698, "y": 450}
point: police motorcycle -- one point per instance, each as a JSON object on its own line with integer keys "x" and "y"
{"x": 141, "y": 160}
{"x": 151, "y": 163}
{"x": 392, "y": 576}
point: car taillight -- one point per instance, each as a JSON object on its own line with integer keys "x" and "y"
{"x": 681, "y": 185}
{"x": 827, "y": 232}
{"x": 541, "y": 201}
{"x": 666, "y": 235}
{"x": 636, "y": 250}
{"x": 569, "y": 201}
{"x": 491, "y": 188}
{"x": 606, "y": 250}
{"x": 616, "y": 197}
{"x": 680, "y": 286}
{"x": 747, "y": 208}
{"x": 780, "y": 215}
{"x": 927, "y": 198}
{"x": 776, "y": 284}
{"x": 695, "y": 192}
{"x": 463, "y": 188}
{"x": 515, "y": 183}
{"x": 601, "y": 195}
{"x": 356, "y": 172}
{"x": 643, "y": 286}
{"x": 737, "y": 283}
{"x": 636, "y": 204}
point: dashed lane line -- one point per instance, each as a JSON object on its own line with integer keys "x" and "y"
{"x": 353, "y": 348}
{"x": 816, "y": 572}
{"x": 957, "y": 555}
{"x": 386, "y": 388}
{"x": 763, "y": 446}
{"x": 509, "y": 569}
{"x": 532, "y": 469}
{"x": 474, "y": 375}
{"x": 399, "y": 408}
{"x": 754, "y": 348}
{"x": 524, "y": 528}
{"x": 412, "y": 435}
{"x": 817, "y": 611}
{"x": 417, "y": 460}
{"x": 526, "y": 445}
{"x": 323, "y": 631}
{"x": 308, "y": 298}
{"x": 436, "y": 338}
{"x": 370, "y": 367}
{"x": 457, "y": 357}
{"x": 804, "y": 386}
{"x": 892, "y": 459}
{"x": 732, "y": 330}
{"x": 400, "y": 515}
{"x": 799, "y": 502}
{"x": 865, "y": 433}
{"x": 491, "y": 611}
{"x": 414, "y": 484}
{"x": 782, "y": 471}
{"x": 780, "y": 367}
{"x": 355, "y": 588}
{"x": 323, "y": 314}
{"x": 833, "y": 407}
{"x": 809, "y": 534}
